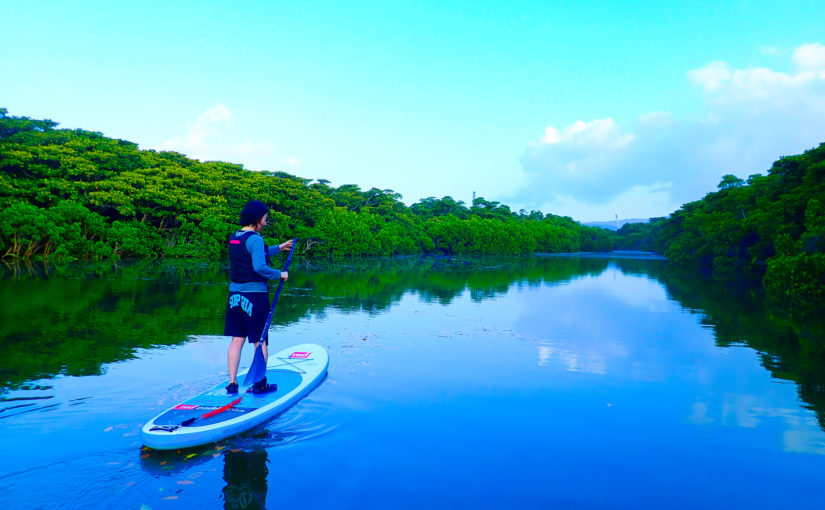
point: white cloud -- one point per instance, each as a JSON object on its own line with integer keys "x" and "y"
{"x": 810, "y": 56}
{"x": 293, "y": 162}
{"x": 711, "y": 76}
{"x": 639, "y": 201}
{"x": 206, "y": 125}
{"x": 218, "y": 114}
{"x": 748, "y": 119}
{"x": 771, "y": 50}
{"x": 602, "y": 133}
{"x": 206, "y": 139}
{"x": 742, "y": 85}
{"x": 655, "y": 120}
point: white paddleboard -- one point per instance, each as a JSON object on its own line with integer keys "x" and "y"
{"x": 296, "y": 370}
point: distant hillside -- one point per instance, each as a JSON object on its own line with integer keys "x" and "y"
{"x": 615, "y": 224}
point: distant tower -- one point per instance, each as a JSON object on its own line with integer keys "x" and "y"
{"x": 474, "y": 198}
{"x": 617, "y": 222}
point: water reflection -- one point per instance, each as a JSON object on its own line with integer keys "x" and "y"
{"x": 245, "y": 474}
{"x": 178, "y": 462}
{"x": 791, "y": 349}
{"x": 78, "y": 318}
{"x": 800, "y": 430}
{"x": 571, "y": 361}
{"x": 74, "y": 319}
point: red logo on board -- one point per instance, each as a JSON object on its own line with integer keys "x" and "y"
{"x": 185, "y": 407}
{"x": 299, "y": 355}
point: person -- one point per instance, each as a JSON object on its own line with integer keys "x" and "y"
{"x": 248, "y": 305}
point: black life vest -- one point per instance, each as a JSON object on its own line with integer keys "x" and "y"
{"x": 240, "y": 260}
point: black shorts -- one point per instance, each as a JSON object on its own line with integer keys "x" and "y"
{"x": 246, "y": 314}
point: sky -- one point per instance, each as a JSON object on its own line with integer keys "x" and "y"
{"x": 584, "y": 109}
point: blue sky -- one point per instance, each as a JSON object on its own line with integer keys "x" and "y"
{"x": 588, "y": 109}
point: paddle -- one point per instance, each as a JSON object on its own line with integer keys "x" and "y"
{"x": 258, "y": 369}
{"x": 190, "y": 421}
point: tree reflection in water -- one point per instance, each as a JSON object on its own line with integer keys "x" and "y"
{"x": 76, "y": 318}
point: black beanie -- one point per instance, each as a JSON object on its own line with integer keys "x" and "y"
{"x": 252, "y": 212}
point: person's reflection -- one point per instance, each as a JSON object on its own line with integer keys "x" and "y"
{"x": 245, "y": 475}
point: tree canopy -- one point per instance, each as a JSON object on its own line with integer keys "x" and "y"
{"x": 769, "y": 229}
{"x": 77, "y": 194}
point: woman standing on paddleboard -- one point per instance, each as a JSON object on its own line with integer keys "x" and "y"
{"x": 248, "y": 304}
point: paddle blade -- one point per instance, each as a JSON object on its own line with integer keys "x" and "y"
{"x": 258, "y": 369}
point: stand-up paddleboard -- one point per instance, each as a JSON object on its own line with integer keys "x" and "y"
{"x": 296, "y": 370}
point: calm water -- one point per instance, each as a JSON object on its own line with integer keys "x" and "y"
{"x": 552, "y": 382}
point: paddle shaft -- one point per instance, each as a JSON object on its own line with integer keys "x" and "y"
{"x": 278, "y": 293}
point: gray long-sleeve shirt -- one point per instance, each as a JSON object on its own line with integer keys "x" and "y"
{"x": 255, "y": 246}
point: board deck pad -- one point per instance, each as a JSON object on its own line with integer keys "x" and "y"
{"x": 296, "y": 370}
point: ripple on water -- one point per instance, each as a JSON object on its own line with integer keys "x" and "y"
{"x": 16, "y": 406}
{"x": 309, "y": 420}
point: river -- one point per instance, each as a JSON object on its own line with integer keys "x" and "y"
{"x": 587, "y": 381}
